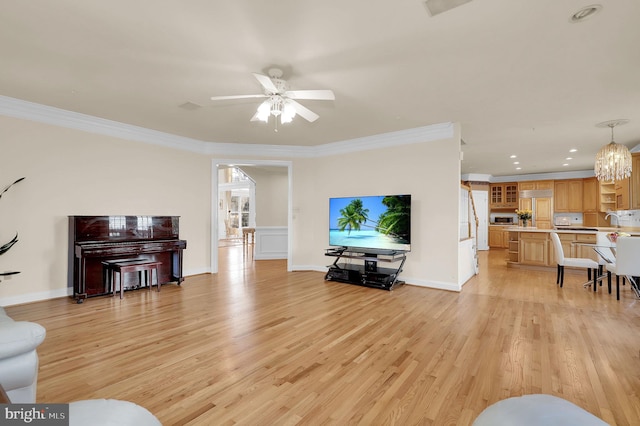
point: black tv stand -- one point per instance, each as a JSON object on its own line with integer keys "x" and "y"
{"x": 367, "y": 273}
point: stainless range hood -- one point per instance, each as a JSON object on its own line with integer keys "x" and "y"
{"x": 536, "y": 193}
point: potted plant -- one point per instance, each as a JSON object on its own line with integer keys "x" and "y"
{"x": 524, "y": 215}
{"x": 5, "y": 247}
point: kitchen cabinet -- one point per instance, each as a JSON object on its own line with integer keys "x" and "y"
{"x": 635, "y": 181}
{"x": 495, "y": 237}
{"x": 514, "y": 247}
{"x": 607, "y": 196}
{"x": 503, "y": 196}
{"x": 505, "y": 238}
{"x": 498, "y": 236}
{"x": 534, "y": 248}
{"x": 590, "y": 195}
{"x": 591, "y": 214}
{"x": 535, "y": 184}
{"x": 567, "y": 196}
{"x": 543, "y": 214}
{"x": 623, "y": 194}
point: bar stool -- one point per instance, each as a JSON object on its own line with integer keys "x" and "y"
{"x": 248, "y": 232}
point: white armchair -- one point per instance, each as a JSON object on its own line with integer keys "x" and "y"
{"x": 18, "y": 357}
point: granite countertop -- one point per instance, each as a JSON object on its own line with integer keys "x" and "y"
{"x": 577, "y": 229}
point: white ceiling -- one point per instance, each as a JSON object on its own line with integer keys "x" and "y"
{"x": 519, "y": 77}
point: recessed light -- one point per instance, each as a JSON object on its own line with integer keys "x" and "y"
{"x": 573, "y": 150}
{"x": 569, "y": 158}
{"x": 516, "y": 162}
{"x": 514, "y": 156}
{"x": 565, "y": 164}
{"x": 585, "y": 13}
{"x": 518, "y": 168}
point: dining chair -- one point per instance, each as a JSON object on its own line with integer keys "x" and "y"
{"x": 626, "y": 263}
{"x": 606, "y": 255}
{"x": 572, "y": 262}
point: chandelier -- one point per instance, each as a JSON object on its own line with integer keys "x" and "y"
{"x": 613, "y": 161}
{"x": 277, "y": 106}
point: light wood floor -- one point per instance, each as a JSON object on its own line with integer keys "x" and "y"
{"x": 256, "y": 345}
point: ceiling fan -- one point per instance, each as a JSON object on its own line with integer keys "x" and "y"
{"x": 281, "y": 102}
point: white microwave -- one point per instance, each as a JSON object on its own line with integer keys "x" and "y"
{"x": 503, "y": 220}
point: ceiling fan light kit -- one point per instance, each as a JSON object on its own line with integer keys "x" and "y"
{"x": 613, "y": 161}
{"x": 280, "y": 101}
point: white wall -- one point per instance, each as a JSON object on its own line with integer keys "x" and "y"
{"x": 271, "y": 194}
{"x": 429, "y": 171}
{"x": 75, "y": 172}
{"x": 71, "y": 172}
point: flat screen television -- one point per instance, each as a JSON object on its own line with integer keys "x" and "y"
{"x": 376, "y": 222}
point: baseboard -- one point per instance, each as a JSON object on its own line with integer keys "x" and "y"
{"x": 36, "y": 297}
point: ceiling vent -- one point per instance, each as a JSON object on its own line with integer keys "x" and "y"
{"x": 435, "y": 7}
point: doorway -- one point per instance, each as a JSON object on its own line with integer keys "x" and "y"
{"x": 220, "y": 204}
{"x": 236, "y": 204}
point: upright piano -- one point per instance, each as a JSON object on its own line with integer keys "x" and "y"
{"x": 95, "y": 239}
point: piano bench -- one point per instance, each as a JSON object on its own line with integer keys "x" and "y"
{"x": 107, "y": 268}
{"x": 134, "y": 265}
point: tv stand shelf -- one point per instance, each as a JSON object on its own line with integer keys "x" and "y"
{"x": 368, "y": 273}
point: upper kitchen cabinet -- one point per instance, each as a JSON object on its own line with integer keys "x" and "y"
{"x": 635, "y": 181}
{"x": 623, "y": 194}
{"x": 544, "y": 213}
{"x": 567, "y": 195}
{"x": 607, "y": 196}
{"x": 591, "y": 214}
{"x": 535, "y": 184}
{"x": 503, "y": 196}
{"x": 542, "y": 206}
{"x": 590, "y": 195}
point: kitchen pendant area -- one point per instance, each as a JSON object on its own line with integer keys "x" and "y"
{"x": 554, "y": 204}
{"x": 575, "y": 208}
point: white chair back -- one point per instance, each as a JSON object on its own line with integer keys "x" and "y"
{"x": 557, "y": 248}
{"x": 602, "y": 240}
{"x": 604, "y": 245}
{"x": 628, "y": 256}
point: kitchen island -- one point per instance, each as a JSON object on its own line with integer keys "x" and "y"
{"x": 531, "y": 247}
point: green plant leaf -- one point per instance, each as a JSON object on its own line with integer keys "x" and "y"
{"x": 7, "y": 246}
{"x": 10, "y": 185}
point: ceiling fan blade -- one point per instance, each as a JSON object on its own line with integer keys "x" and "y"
{"x": 303, "y": 111}
{"x": 323, "y": 95}
{"x": 222, "y": 98}
{"x": 266, "y": 82}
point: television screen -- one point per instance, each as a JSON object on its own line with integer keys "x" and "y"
{"x": 380, "y": 222}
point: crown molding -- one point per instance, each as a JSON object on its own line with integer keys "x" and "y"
{"x": 385, "y": 140}
{"x": 18, "y": 108}
{"x": 73, "y": 120}
{"x": 544, "y": 176}
{"x": 476, "y": 177}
